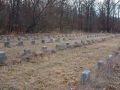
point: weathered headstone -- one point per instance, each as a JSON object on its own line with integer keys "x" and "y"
{"x": 6, "y": 43}
{"x": 51, "y": 40}
{"x": 82, "y": 42}
{"x": 20, "y": 43}
{"x": 48, "y": 36}
{"x": 2, "y": 56}
{"x": 116, "y": 53}
{"x": 100, "y": 64}
{"x": 54, "y": 36}
{"x": 64, "y": 39}
{"x": 19, "y": 38}
{"x": 57, "y": 40}
{"x": 1, "y": 37}
{"x": 43, "y": 41}
{"x": 88, "y": 41}
{"x": 42, "y": 37}
{"x": 27, "y": 37}
{"x": 33, "y": 42}
{"x": 76, "y": 43}
{"x": 68, "y": 45}
{"x": 85, "y": 77}
{"x": 93, "y": 41}
{"x": 58, "y": 36}
{"x": 35, "y": 37}
{"x": 58, "y": 46}
{"x": 8, "y": 38}
{"x": 109, "y": 57}
{"x": 27, "y": 51}
{"x": 44, "y": 48}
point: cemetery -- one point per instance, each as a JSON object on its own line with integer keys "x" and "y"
{"x": 59, "y": 44}
{"x": 72, "y": 63}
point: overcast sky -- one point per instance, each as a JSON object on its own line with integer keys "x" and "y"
{"x": 103, "y": 0}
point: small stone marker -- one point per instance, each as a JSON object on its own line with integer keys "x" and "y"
{"x": 58, "y": 46}
{"x": 48, "y": 36}
{"x": 2, "y": 56}
{"x": 28, "y": 37}
{"x": 100, "y": 64}
{"x": 43, "y": 41}
{"x": 54, "y": 36}
{"x": 27, "y": 51}
{"x": 33, "y": 42}
{"x": 93, "y": 41}
{"x": 51, "y": 40}
{"x": 57, "y": 40}
{"x": 1, "y": 37}
{"x": 82, "y": 41}
{"x": 42, "y": 37}
{"x": 8, "y": 38}
{"x": 6, "y": 43}
{"x": 109, "y": 57}
{"x": 116, "y": 53}
{"x": 19, "y": 38}
{"x": 20, "y": 43}
{"x": 63, "y": 39}
{"x": 85, "y": 77}
{"x": 35, "y": 37}
{"x": 44, "y": 48}
{"x": 76, "y": 43}
{"x": 88, "y": 41}
{"x": 68, "y": 45}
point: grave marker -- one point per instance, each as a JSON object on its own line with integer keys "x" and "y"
{"x": 33, "y": 42}
{"x": 2, "y": 56}
{"x": 51, "y": 40}
{"x": 109, "y": 57}
{"x": 35, "y": 37}
{"x": 116, "y": 53}
{"x": 85, "y": 77}
{"x": 100, "y": 64}
{"x": 8, "y": 38}
{"x": 19, "y": 38}
{"x": 27, "y": 51}
{"x": 20, "y": 43}
{"x": 58, "y": 46}
{"x": 6, "y": 43}
{"x": 68, "y": 45}
{"x": 82, "y": 42}
{"x": 1, "y": 37}
{"x": 44, "y": 48}
{"x": 43, "y": 41}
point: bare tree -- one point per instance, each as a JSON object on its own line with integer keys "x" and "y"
{"x": 110, "y": 5}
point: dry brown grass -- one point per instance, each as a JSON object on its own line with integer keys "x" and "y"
{"x": 58, "y": 71}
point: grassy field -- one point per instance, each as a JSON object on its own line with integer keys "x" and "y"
{"x": 60, "y": 70}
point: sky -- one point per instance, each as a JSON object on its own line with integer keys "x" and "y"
{"x": 103, "y": 0}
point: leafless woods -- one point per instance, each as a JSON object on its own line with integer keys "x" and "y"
{"x": 26, "y": 16}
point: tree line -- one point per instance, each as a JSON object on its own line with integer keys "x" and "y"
{"x": 31, "y": 16}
